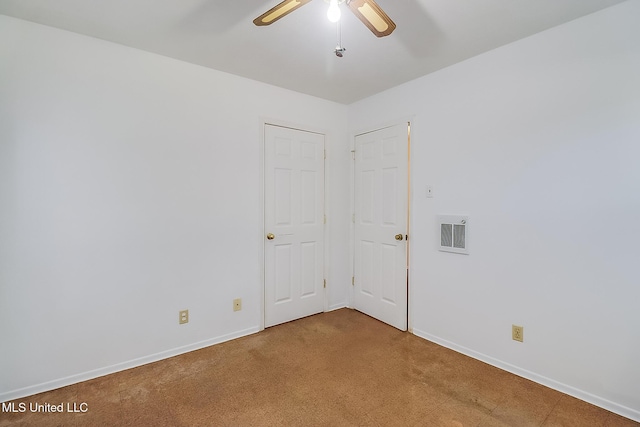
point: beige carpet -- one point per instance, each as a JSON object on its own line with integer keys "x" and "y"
{"x": 334, "y": 369}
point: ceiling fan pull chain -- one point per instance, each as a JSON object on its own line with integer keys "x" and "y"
{"x": 339, "y": 49}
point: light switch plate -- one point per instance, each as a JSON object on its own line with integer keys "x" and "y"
{"x": 429, "y": 191}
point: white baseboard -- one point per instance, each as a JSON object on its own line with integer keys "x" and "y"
{"x": 89, "y": 375}
{"x": 540, "y": 379}
{"x": 336, "y": 307}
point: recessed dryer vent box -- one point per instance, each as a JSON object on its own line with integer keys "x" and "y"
{"x": 454, "y": 233}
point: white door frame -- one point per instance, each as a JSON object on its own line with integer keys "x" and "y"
{"x": 409, "y": 120}
{"x": 261, "y": 167}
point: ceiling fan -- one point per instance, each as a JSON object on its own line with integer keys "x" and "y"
{"x": 367, "y": 11}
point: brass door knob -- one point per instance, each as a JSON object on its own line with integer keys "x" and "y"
{"x": 399, "y": 237}
{"x": 271, "y": 236}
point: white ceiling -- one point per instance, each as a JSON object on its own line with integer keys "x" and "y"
{"x": 297, "y": 51}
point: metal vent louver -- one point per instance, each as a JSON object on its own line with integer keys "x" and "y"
{"x": 454, "y": 233}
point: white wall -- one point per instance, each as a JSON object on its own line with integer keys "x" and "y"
{"x": 539, "y": 143}
{"x": 130, "y": 189}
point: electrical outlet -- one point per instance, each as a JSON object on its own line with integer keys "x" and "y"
{"x": 183, "y": 317}
{"x": 237, "y": 304}
{"x": 517, "y": 333}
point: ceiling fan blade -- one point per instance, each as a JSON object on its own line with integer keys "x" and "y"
{"x": 277, "y": 12}
{"x": 372, "y": 16}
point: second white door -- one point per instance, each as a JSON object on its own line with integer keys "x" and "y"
{"x": 381, "y": 221}
{"x": 294, "y": 224}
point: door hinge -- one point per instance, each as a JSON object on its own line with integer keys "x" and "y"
{"x": 353, "y": 154}
{"x": 353, "y": 281}
{"x": 325, "y": 283}
{"x": 325, "y": 154}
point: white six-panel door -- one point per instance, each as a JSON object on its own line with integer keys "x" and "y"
{"x": 381, "y": 206}
{"x": 294, "y": 224}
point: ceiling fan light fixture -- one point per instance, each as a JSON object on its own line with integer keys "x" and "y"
{"x": 334, "y": 11}
{"x": 367, "y": 11}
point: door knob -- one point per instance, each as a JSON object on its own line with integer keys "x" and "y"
{"x": 399, "y": 237}
{"x": 271, "y": 236}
